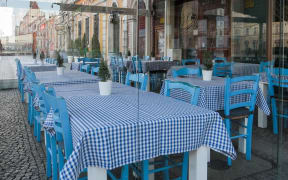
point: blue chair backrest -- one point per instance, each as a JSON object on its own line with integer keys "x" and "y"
{"x": 185, "y": 72}
{"x": 194, "y": 61}
{"x": 137, "y": 60}
{"x": 19, "y": 69}
{"x": 222, "y": 69}
{"x": 165, "y": 58}
{"x": 250, "y": 92}
{"x": 194, "y": 91}
{"x": 137, "y": 78}
{"x": 30, "y": 75}
{"x": 266, "y": 64}
{"x": 220, "y": 60}
{"x": 61, "y": 121}
{"x": 278, "y": 78}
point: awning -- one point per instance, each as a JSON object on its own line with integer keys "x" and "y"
{"x": 101, "y": 9}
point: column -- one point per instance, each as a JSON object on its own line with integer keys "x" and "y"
{"x": 148, "y": 30}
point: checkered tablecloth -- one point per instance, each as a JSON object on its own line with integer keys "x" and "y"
{"x": 40, "y": 67}
{"x": 148, "y": 66}
{"x": 50, "y": 78}
{"x": 212, "y": 93}
{"x": 111, "y": 131}
{"x": 244, "y": 69}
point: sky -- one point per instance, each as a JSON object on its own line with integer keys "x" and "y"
{"x": 16, "y": 9}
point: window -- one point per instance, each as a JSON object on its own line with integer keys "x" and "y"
{"x": 87, "y": 30}
{"x": 79, "y": 29}
{"x": 96, "y": 25}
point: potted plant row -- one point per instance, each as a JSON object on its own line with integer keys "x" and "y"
{"x": 60, "y": 67}
{"x": 207, "y": 68}
{"x": 105, "y": 84}
{"x": 42, "y": 56}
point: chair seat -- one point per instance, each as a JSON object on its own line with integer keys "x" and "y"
{"x": 237, "y": 113}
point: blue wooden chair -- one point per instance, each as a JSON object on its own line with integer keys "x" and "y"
{"x": 240, "y": 110}
{"x": 191, "y": 61}
{"x": 60, "y": 144}
{"x": 186, "y": 72}
{"x": 39, "y": 111}
{"x": 220, "y": 60}
{"x": 266, "y": 64}
{"x": 146, "y": 58}
{"x": 85, "y": 68}
{"x": 137, "y": 64}
{"x": 223, "y": 69}
{"x": 277, "y": 84}
{"x": 20, "y": 76}
{"x": 137, "y": 78}
{"x": 165, "y": 58}
{"x": 166, "y": 163}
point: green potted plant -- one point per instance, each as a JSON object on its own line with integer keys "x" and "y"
{"x": 207, "y": 68}
{"x": 78, "y": 46}
{"x": 105, "y": 84}
{"x": 34, "y": 57}
{"x": 152, "y": 55}
{"x": 129, "y": 54}
{"x": 42, "y": 56}
{"x": 70, "y": 51}
{"x": 96, "y": 52}
{"x": 60, "y": 67}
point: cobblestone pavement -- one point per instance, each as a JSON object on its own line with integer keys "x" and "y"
{"x": 21, "y": 157}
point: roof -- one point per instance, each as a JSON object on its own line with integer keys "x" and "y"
{"x": 34, "y": 5}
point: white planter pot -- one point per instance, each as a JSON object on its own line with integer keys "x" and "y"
{"x": 207, "y": 75}
{"x": 60, "y": 71}
{"x": 35, "y": 61}
{"x": 70, "y": 59}
{"x": 105, "y": 88}
{"x": 153, "y": 59}
{"x": 42, "y": 62}
{"x": 76, "y": 58}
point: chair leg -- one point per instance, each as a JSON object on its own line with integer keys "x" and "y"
{"x": 274, "y": 116}
{"x": 249, "y": 137}
{"x": 145, "y": 170}
{"x": 228, "y": 127}
{"x": 185, "y": 166}
{"x": 54, "y": 159}
{"x": 38, "y": 131}
{"x": 48, "y": 156}
{"x": 125, "y": 172}
{"x": 166, "y": 172}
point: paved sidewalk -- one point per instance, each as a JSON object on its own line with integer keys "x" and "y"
{"x": 21, "y": 157}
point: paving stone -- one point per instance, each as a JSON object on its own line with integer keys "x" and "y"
{"x": 23, "y": 157}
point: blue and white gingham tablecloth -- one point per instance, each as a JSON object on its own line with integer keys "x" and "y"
{"x": 41, "y": 67}
{"x": 51, "y": 78}
{"x": 212, "y": 93}
{"x": 111, "y": 131}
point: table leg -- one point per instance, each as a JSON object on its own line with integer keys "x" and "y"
{"x": 26, "y": 97}
{"x": 151, "y": 166}
{"x": 208, "y": 155}
{"x": 198, "y": 164}
{"x": 262, "y": 117}
{"x": 242, "y": 141}
{"x": 96, "y": 173}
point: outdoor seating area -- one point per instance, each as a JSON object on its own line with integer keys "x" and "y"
{"x": 61, "y": 105}
{"x": 143, "y": 90}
